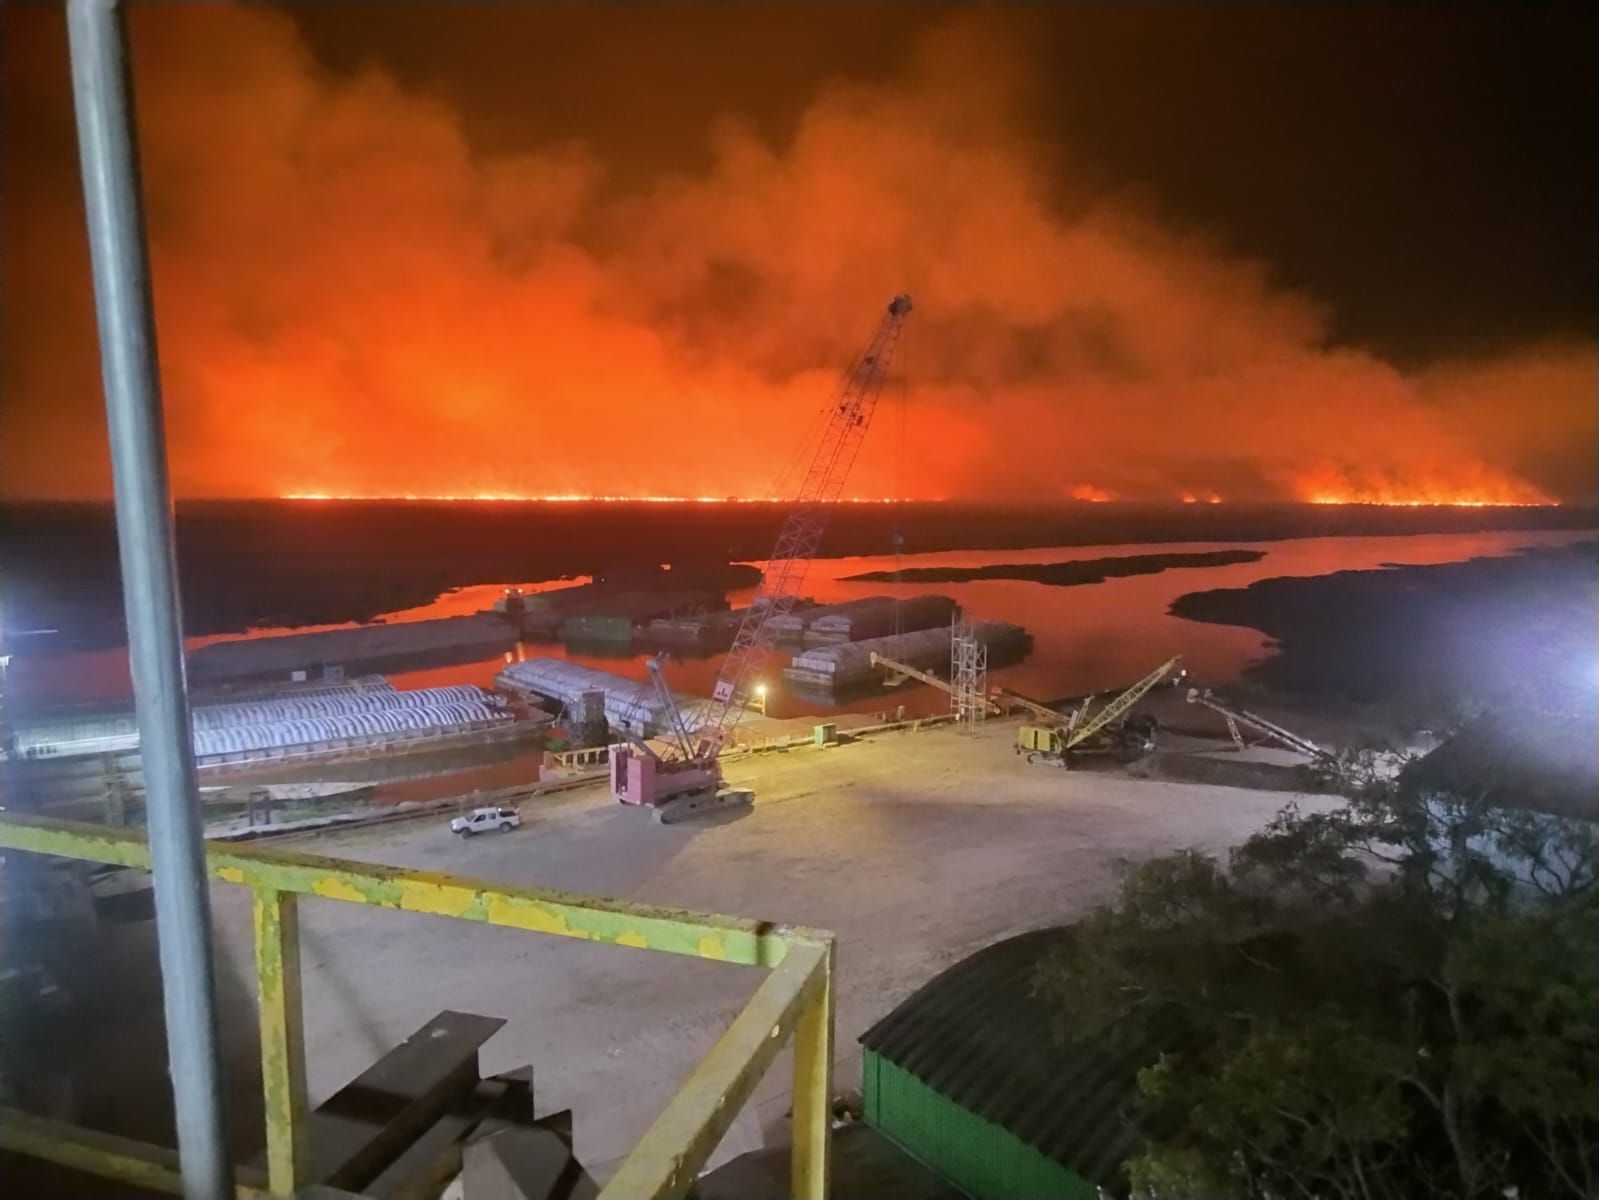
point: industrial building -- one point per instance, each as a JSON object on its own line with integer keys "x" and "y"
{"x": 968, "y": 1089}
{"x": 971, "y": 1078}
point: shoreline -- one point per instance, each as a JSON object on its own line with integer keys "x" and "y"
{"x": 1481, "y": 632}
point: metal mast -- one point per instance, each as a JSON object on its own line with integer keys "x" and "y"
{"x": 852, "y": 408}
{"x": 103, "y": 100}
{"x": 968, "y": 672}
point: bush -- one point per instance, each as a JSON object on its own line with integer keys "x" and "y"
{"x": 1398, "y": 998}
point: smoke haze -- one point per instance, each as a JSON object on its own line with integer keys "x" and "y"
{"x": 353, "y": 300}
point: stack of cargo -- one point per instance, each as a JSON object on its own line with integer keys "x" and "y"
{"x": 241, "y": 694}
{"x": 316, "y": 719}
{"x": 109, "y": 731}
{"x": 605, "y": 612}
{"x": 855, "y": 620}
{"x": 791, "y": 626}
{"x": 878, "y": 616}
{"x": 709, "y": 632}
{"x": 397, "y": 645}
{"x": 849, "y": 664}
{"x": 347, "y": 728}
{"x": 300, "y": 708}
{"x": 630, "y": 704}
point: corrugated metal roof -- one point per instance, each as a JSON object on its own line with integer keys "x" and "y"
{"x": 979, "y": 1035}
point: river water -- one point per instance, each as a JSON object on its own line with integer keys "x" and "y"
{"x": 1085, "y": 638}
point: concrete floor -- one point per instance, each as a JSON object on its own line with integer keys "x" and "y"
{"x": 916, "y": 849}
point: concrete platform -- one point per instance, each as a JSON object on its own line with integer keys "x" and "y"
{"x": 915, "y": 848}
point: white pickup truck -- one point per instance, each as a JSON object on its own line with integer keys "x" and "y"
{"x": 481, "y": 820}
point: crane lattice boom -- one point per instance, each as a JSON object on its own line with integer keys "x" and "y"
{"x": 852, "y": 408}
{"x": 1242, "y": 716}
{"x": 1081, "y": 732}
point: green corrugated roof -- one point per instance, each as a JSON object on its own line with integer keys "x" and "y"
{"x": 979, "y": 1035}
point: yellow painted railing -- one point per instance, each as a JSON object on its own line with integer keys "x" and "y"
{"x": 795, "y": 1000}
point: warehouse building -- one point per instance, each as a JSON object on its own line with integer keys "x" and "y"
{"x": 968, "y": 1091}
{"x": 967, "y": 1077}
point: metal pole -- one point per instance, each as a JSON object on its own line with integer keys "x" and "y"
{"x": 103, "y": 99}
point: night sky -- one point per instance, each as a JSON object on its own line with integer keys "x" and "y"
{"x": 1157, "y": 251}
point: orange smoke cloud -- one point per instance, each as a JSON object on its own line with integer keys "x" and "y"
{"x": 352, "y": 300}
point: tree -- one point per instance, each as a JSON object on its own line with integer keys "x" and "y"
{"x": 1393, "y": 998}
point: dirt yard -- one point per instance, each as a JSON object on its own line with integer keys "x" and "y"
{"x": 915, "y": 849}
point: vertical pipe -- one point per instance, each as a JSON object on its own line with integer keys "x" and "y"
{"x": 102, "y": 98}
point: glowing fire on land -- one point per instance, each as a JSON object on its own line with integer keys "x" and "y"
{"x": 1430, "y": 500}
{"x": 559, "y": 498}
{"x": 1480, "y": 488}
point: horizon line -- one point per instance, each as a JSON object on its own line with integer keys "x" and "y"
{"x": 1098, "y": 501}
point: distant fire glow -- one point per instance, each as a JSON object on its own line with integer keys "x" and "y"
{"x": 1478, "y": 488}
{"x": 567, "y": 498}
{"x": 1081, "y": 494}
{"x": 1386, "y": 501}
{"x": 1092, "y": 494}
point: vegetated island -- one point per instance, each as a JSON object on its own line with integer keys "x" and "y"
{"x": 1487, "y": 631}
{"x": 1065, "y": 574}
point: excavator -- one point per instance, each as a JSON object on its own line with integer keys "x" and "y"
{"x": 686, "y": 777}
{"x": 1061, "y": 736}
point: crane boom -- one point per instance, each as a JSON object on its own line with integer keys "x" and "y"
{"x": 852, "y": 408}
{"x": 926, "y": 677}
{"x": 1119, "y": 706}
{"x": 1243, "y": 716}
{"x": 674, "y": 715}
{"x": 1042, "y": 711}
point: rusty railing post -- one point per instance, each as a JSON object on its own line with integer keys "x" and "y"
{"x": 813, "y": 1087}
{"x": 277, "y": 967}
